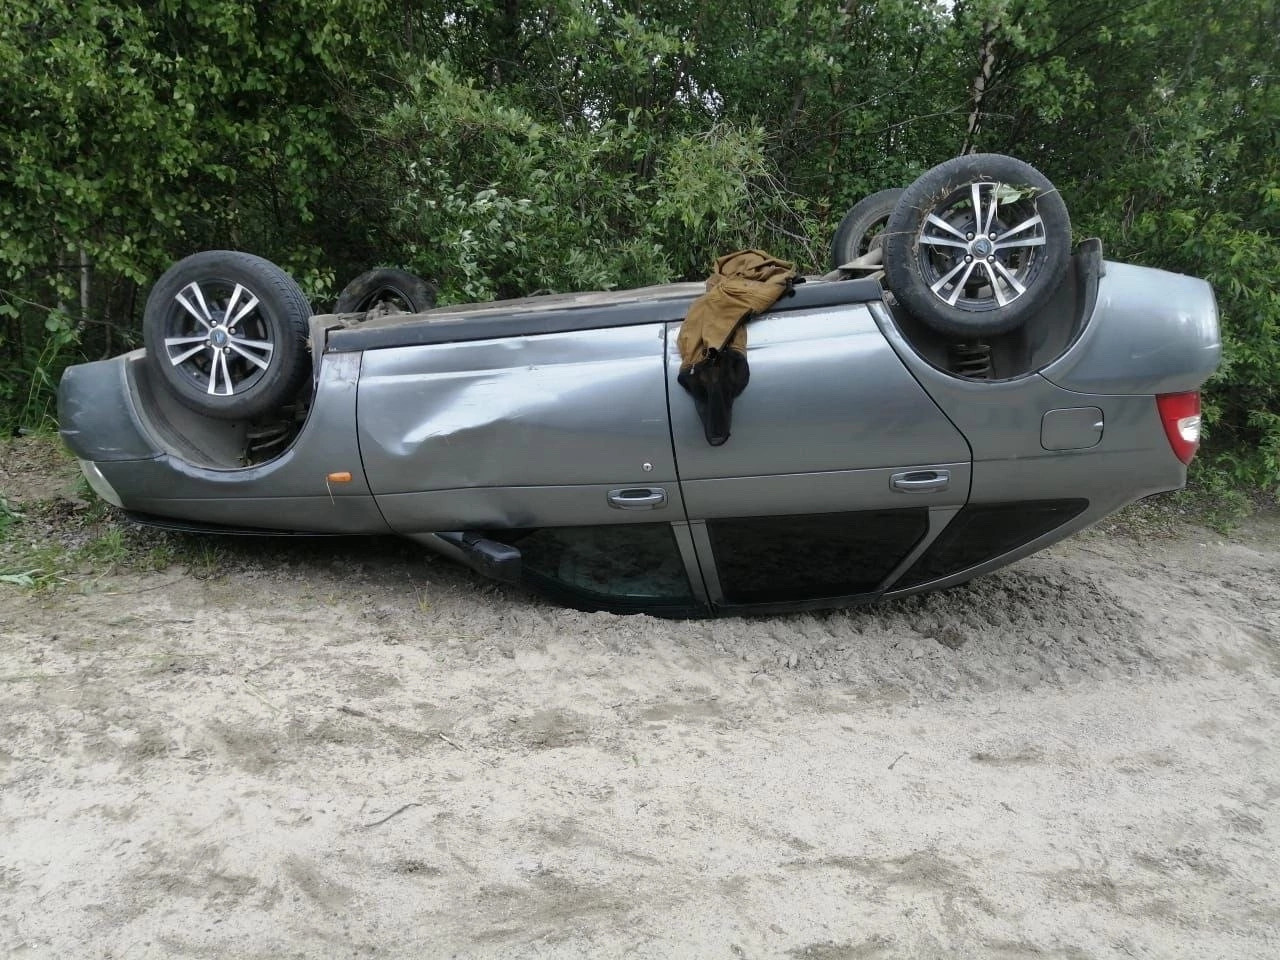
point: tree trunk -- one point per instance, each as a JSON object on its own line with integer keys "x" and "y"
{"x": 986, "y": 63}
{"x": 84, "y": 288}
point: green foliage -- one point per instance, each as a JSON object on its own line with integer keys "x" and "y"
{"x": 506, "y": 149}
{"x": 492, "y": 201}
{"x": 133, "y": 134}
{"x": 8, "y": 518}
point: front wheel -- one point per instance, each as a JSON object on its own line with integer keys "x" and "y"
{"x": 227, "y": 333}
{"x": 388, "y": 286}
{"x": 977, "y": 245}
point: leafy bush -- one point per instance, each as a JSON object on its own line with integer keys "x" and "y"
{"x": 491, "y": 201}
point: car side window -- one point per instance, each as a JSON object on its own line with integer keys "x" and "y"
{"x": 630, "y": 564}
{"x": 791, "y": 558}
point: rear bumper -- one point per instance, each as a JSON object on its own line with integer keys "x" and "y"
{"x": 1151, "y": 332}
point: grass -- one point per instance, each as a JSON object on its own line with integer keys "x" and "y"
{"x": 67, "y": 535}
{"x": 1167, "y": 514}
{"x": 111, "y": 546}
{"x": 8, "y": 517}
{"x": 68, "y": 539}
{"x": 24, "y": 563}
{"x": 201, "y": 559}
{"x": 107, "y": 550}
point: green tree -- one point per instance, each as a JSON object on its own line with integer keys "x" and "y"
{"x": 133, "y": 133}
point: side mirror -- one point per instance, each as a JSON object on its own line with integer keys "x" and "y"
{"x": 499, "y": 561}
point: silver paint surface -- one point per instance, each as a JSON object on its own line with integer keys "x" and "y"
{"x": 1151, "y": 332}
{"x": 826, "y": 393}
{"x": 685, "y": 543}
{"x": 97, "y": 419}
{"x": 289, "y": 492}
{"x": 586, "y": 407}
{"x": 522, "y": 431}
{"x": 493, "y": 508}
{"x": 829, "y": 491}
{"x": 1072, "y": 428}
{"x": 1002, "y": 421}
{"x": 345, "y": 515}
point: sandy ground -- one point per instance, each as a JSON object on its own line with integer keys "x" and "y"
{"x": 346, "y": 749}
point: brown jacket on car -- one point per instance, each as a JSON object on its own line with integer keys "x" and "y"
{"x": 713, "y": 337}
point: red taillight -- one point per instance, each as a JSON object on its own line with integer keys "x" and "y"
{"x": 1180, "y": 414}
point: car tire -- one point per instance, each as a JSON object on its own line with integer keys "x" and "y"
{"x": 386, "y": 285}
{"x": 226, "y": 332}
{"x": 1001, "y": 214}
{"x": 862, "y": 228}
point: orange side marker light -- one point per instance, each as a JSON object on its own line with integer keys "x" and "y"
{"x": 341, "y": 476}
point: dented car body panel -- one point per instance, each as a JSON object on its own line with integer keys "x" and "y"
{"x": 517, "y": 432}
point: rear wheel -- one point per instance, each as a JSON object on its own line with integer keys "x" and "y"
{"x": 862, "y": 229}
{"x": 227, "y": 333}
{"x": 977, "y": 245}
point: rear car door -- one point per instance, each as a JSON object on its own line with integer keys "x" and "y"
{"x": 839, "y": 471}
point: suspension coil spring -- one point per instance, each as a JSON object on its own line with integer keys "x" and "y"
{"x": 264, "y": 443}
{"x": 970, "y": 360}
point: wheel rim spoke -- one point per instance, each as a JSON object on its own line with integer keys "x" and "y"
{"x": 955, "y": 294}
{"x": 1024, "y": 242}
{"x": 176, "y": 359}
{"x": 242, "y": 347}
{"x": 186, "y": 355}
{"x": 944, "y": 242}
{"x": 995, "y": 284}
{"x": 226, "y": 374}
{"x": 943, "y": 225}
{"x": 244, "y": 311}
{"x": 1018, "y": 288}
{"x": 218, "y": 369}
{"x": 202, "y": 314}
{"x": 266, "y": 345}
{"x": 1027, "y": 224}
{"x": 975, "y": 197}
{"x": 991, "y": 211}
{"x": 942, "y": 281}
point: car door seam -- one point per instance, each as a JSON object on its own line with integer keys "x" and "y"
{"x": 360, "y": 446}
{"x": 675, "y": 460}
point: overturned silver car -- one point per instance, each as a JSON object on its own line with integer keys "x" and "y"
{"x": 970, "y": 389}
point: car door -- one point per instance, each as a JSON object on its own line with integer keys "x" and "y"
{"x": 838, "y": 473}
{"x": 556, "y": 444}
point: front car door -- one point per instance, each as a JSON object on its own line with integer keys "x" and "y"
{"x": 557, "y": 444}
{"x": 838, "y": 473}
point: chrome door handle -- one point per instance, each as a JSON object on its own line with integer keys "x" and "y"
{"x": 637, "y": 498}
{"x": 921, "y": 481}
